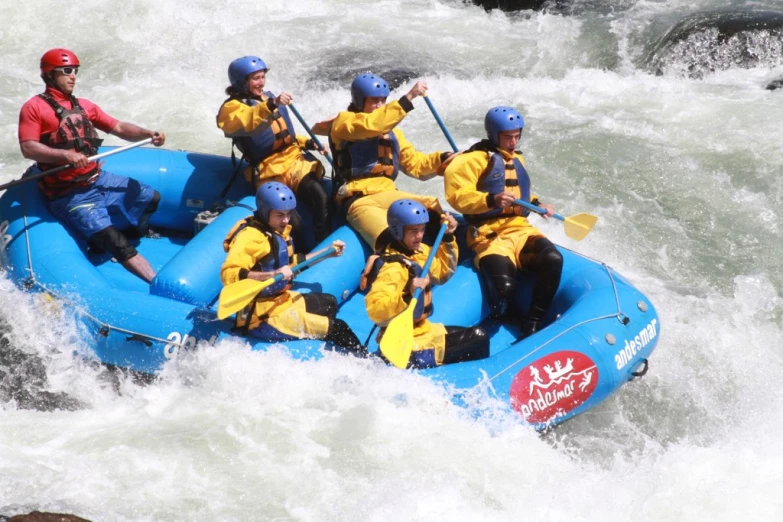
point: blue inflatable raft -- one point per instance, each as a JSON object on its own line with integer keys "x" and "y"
{"x": 599, "y": 335}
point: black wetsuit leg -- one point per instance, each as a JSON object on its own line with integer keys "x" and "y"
{"x": 144, "y": 220}
{"x": 312, "y": 194}
{"x": 499, "y": 275}
{"x": 339, "y": 333}
{"x": 432, "y": 227}
{"x": 465, "y": 344}
{"x": 539, "y": 255}
{"x": 297, "y": 234}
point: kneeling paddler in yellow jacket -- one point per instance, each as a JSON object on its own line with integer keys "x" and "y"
{"x": 260, "y": 247}
{"x": 483, "y": 183}
{"x": 392, "y": 275}
{"x": 259, "y": 125}
{"x": 370, "y": 151}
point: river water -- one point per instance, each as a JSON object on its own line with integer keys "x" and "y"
{"x": 683, "y": 173}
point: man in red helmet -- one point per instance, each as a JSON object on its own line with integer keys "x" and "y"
{"x": 56, "y": 128}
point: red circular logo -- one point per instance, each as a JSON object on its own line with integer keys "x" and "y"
{"x": 553, "y": 386}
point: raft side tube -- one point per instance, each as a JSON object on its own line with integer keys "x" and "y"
{"x": 193, "y": 274}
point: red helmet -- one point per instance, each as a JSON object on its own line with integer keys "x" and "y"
{"x": 58, "y": 58}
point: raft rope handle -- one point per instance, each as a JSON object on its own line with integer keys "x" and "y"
{"x": 31, "y": 278}
{"x": 32, "y": 282}
{"x": 107, "y": 326}
{"x": 619, "y": 315}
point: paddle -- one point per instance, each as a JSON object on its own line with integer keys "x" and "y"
{"x": 576, "y": 227}
{"x": 397, "y": 341}
{"x": 310, "y": 132}
{"x": 70, "y": 165}
{"x": 236, "y": 296}
{"x": 440, "y": 123}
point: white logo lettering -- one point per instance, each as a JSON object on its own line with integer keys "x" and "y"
{"x": 635, "y": 345}
{"x": 176, "y": 341}
{"x": 564, "y": 381}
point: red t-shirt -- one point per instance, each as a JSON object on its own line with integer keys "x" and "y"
{"x": 38, "y": 118}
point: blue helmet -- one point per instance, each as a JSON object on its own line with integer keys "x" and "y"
{"x": 273, "y": 195}
{"x": 367, "y": 85}
{"x": 241, "y": 68}
{"x": 500, "y": 119}
{"x": 404, "y": 212}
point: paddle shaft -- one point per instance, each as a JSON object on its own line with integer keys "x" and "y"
{"x": 70, "y": 165}
{"x": 525, "y": 204}
{"x": 238, "y": 295}
{"x": 397, "y": 341}
{"x": 440, "y": 123}
{"x": 310, "y": 132}
{"x": 532, "y": 207}
{"x": 307, "y": 262}
{"x": 435, "y": 246}
{"x": 536, "y": 208}
{"x": 301, "y": 266}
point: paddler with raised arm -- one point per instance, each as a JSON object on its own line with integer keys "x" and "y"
{"x": 370, "y": 151}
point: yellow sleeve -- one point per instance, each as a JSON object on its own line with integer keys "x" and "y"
{"x": 322, "y": 128}
{"x": 385, "y": 301}
{"x": 238, "y": 119}
{"x": 460, "y": 179}
{"x": 413, "y": 162}
{"x": 445, "y": 263}
{"x": 356, "y": 126}
{"x": 248, "y": 247}
{"x": 302, "y": 141}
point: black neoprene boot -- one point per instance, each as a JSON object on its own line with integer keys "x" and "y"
{"x": 341, "y": 335}
{"x": 532, "y": 323}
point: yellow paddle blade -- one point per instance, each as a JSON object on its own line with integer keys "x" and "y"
{"x": 397, "y": 340}
{"x": 236, "y": 296}
{"x": 577, "y": 227}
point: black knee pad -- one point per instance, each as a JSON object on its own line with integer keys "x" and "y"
{"x": 320, "y": 304}
{"x": 553, "y": 257}
{"x": 499, "y": 275}
{"x": 113, "y": 241}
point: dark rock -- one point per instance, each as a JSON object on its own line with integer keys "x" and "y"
{"x": 775, "y": 84}
{"x": 23, "y": 380}
{"x": 39, "y": 516}
{"x": 717, "y": 40}
{"x": 343, "y": 67}
{"x": 512, "y": 5}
